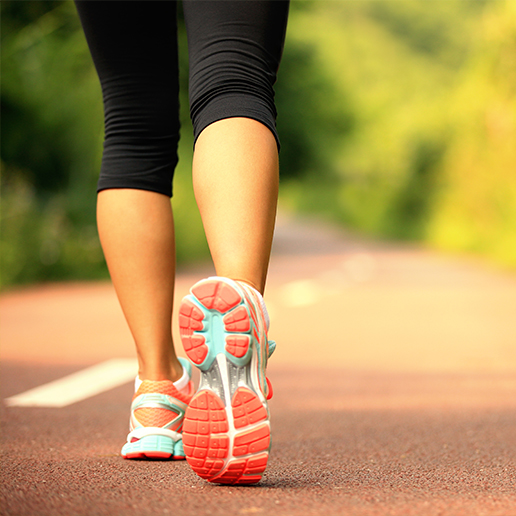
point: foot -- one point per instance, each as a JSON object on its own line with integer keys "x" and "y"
{"x": 157, "y": 414}
{"x": 226, "y": 432}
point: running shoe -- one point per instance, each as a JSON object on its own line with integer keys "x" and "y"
{"x": 156, "y": 423}
{"x": 226, "y": 432}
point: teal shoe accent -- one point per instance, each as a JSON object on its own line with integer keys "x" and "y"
{"x": 272, "y": 348}
{"x": 187, "y": 365}
{"x": 215, "y": 335}
{"x": 150, "y": 446}
{"x": 178, "y": 449}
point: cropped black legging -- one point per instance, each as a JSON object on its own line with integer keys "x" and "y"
{"x": 234, "y": 52}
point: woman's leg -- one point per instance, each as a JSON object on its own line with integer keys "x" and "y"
{"x": 134, "y": 48}
{"x": 136, "y": 229}
{"x": 235, "y": 50}
{"x": 235, "y": 173}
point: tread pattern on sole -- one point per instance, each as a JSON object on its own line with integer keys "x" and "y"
{"x": 224, "y": 299}
{"x": 237, "y": 320}
{"x": 247, "y": 408}
{"x": 216, "y": 295}
{"x": 223, "y": 444}
{"x": 191, "y": 320}
{"x": 209, "y": 449}
{"x": 237, "y": 345}
{"x": 205, "y": 438}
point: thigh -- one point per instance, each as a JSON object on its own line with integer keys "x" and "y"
{"x": 252, "y": 30}
{"x": 130, "y": 35}
{"x": 235, "y": 48}
{"x": 134, "y": 48}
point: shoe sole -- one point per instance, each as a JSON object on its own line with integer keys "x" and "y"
{"x": 226, "y": 430}
{"x": 153, "y": 447}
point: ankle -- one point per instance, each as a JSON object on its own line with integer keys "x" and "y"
{"x": 258, "y": 285}
{"x": 254, "y": 285}
{"x": 159, "y": 372}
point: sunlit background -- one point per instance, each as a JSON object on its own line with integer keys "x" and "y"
{"x": 397, "y": 119}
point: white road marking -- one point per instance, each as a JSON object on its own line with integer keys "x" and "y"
{"x": 78, "y": 386}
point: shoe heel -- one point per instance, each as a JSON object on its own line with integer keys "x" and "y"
{"x": 226, "y": 430}
{"x": 214, "y": 320}
{"x": 150, "y": 447}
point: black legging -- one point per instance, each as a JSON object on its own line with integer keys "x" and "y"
{"x": 234, "y": 52}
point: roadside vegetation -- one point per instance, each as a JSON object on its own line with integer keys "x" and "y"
{"x": 397, "y": 119}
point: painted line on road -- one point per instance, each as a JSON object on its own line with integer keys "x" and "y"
{"x": 78, "y": 386}
{"x": 358, "y": 268}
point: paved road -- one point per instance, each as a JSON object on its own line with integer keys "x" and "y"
{"x": 395, "y": 392}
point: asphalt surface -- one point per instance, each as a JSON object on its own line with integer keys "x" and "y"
{"x": 394, "y": 381}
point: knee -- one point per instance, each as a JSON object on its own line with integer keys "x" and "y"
{"x": 143, "y": 108}
{"x": 141, "y": 135}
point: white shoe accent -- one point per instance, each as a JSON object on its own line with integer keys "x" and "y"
{"x": 151, "y": 430}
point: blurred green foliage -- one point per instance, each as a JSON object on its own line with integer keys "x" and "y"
{"x": 397, "y": 118}
{"x": 431, "y": 90}
{"x": 51, "y": 120}
{"x": 51, "y": 150}
{"x": 475, "y": 207}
